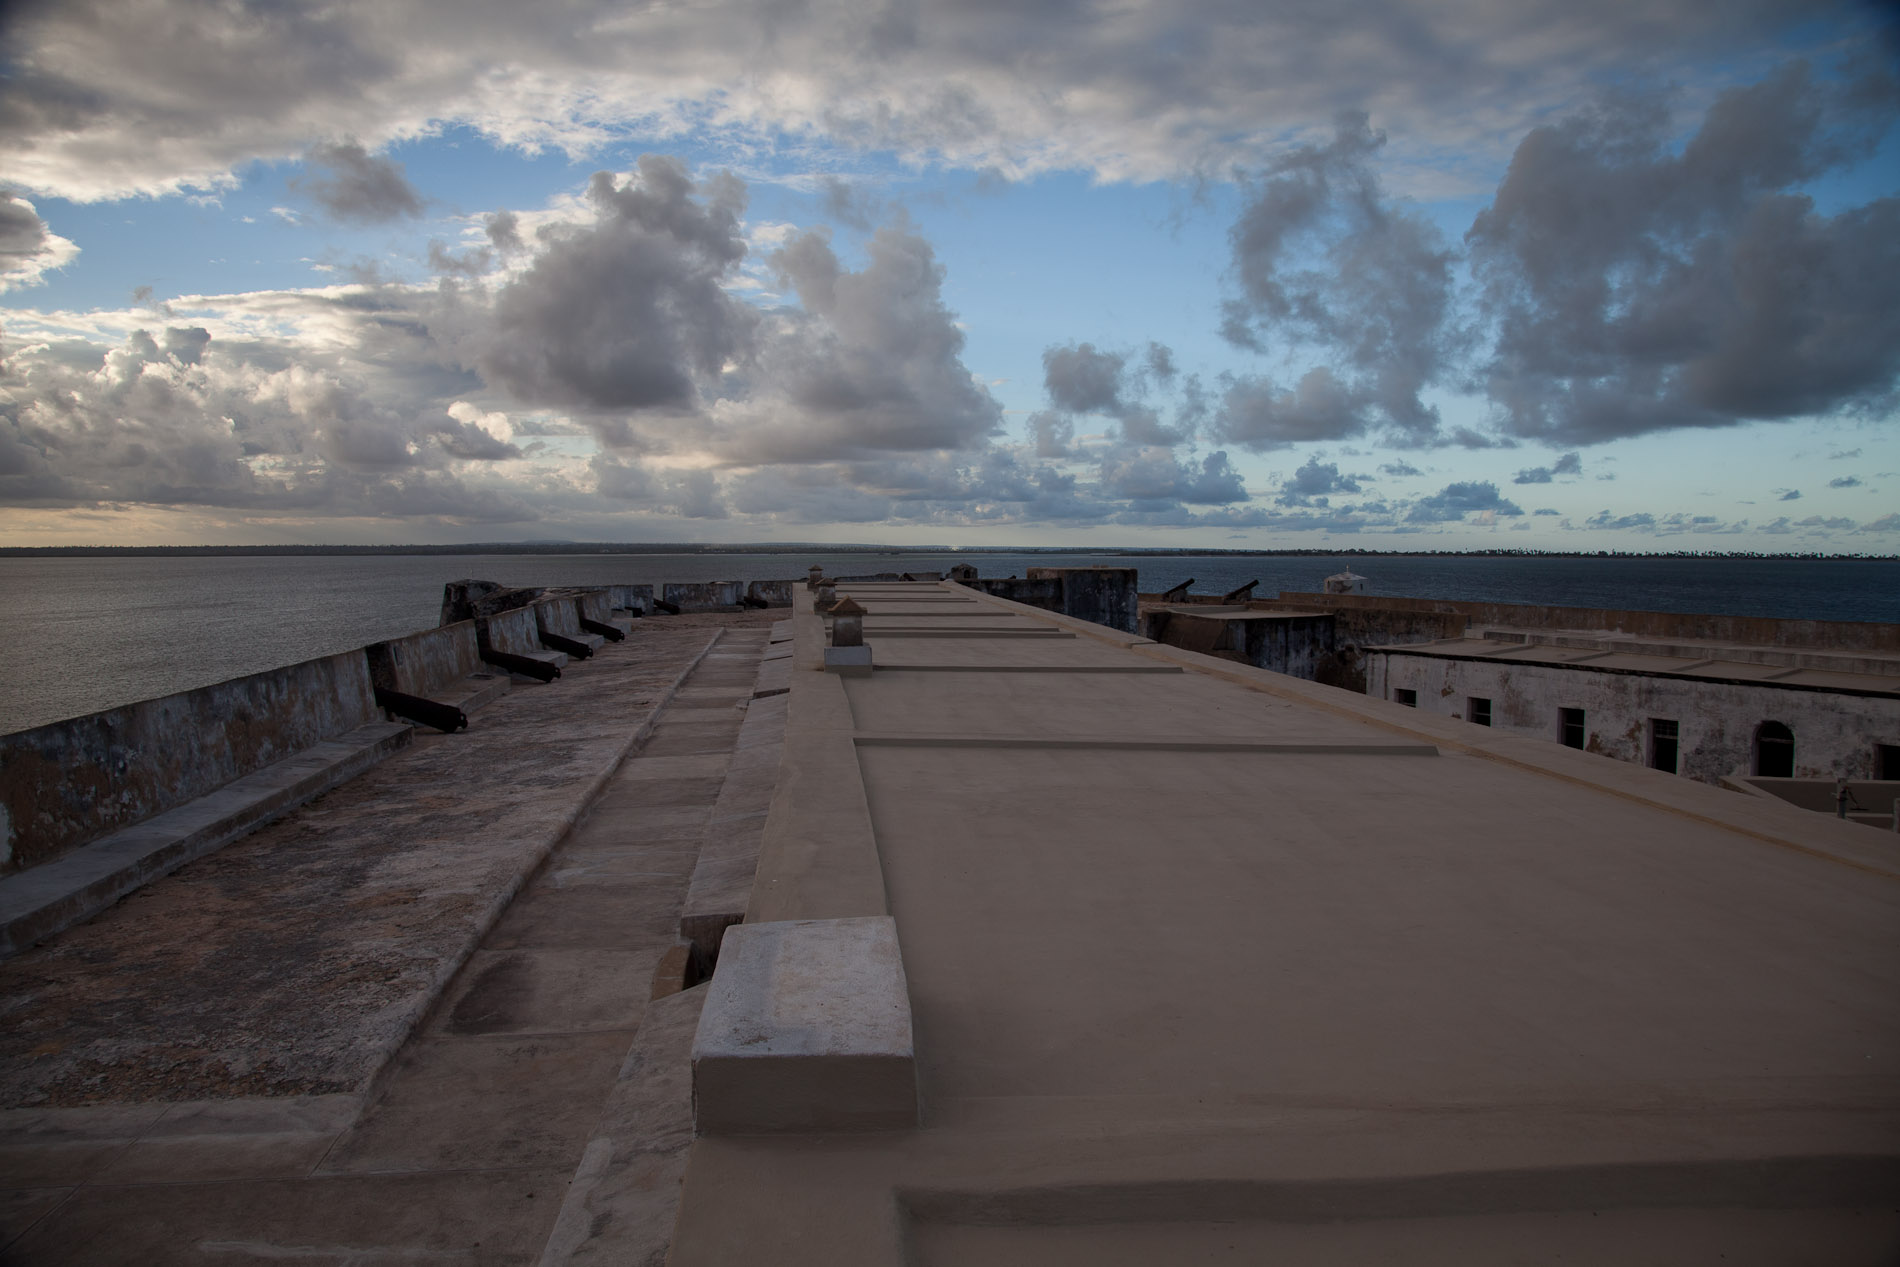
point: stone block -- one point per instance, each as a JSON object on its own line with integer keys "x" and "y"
{"x": 848, "y": 661}
{"x": 806, "y": 1028}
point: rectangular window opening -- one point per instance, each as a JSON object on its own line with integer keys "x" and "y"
{"x": 1663, "y": 744}
{"x": 1402, "y": 696}
{"x": 1570, "y": 727}
{"x": 1887, "y": 761}
{"x": 1479, "y": 711}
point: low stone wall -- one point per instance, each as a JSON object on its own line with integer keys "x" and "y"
{"x": 558, "y": 615}
{"x": 772, "y": 593}
{"x": 704, "y": 596}
{"x": 632, "y": 598}
{"x": 1044, "y": 592}
{"x": 70, "y": 782}
{"x": 515, "y": 633}
{"x": 594, "y": 605}
{"x": 1805, "y": 635}
{"x": 1106, "y": 596}
{"x": 423, "y": 663}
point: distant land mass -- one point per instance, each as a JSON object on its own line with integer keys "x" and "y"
{"x": 807, "y": 547}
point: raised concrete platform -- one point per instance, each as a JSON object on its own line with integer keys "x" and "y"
{"x": 1216, "y": 965}
{"x": 40, "y": 902}
{"x": 806, "y": 1028}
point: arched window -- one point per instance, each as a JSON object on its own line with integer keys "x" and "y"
{"x": 1774, "y": 751}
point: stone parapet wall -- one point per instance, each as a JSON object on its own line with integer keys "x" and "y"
{"x": 423, "y": 663}
{"x": 64, "y": 784}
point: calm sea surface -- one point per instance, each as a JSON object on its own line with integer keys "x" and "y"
{"x": 93, "y": 633}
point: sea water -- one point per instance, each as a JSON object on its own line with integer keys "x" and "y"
{"x": 86, "y": 634}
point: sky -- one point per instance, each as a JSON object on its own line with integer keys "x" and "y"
{"x": 1317, "y": 274}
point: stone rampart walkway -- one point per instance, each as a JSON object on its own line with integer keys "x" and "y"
{"x": 356, "y": 1036}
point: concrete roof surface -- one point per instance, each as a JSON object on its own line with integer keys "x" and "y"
{"x": 1219, "y": 966}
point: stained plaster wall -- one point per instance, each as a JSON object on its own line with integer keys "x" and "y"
{"x": 64, "y": 784}
{"x": 1834, "y": 735}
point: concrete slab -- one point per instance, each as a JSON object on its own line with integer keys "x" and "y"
{"x": 234, "y": 1139}
{"x": 620, "y": 1206}
{"x": 806, "y": 1028}
{"x": 605, "y": 916}
{"x": 475, "y": 1104}
{"x": 21, "y": 1208}
{"x": 548, "y": 991}
{"x": 499, "y": 1217}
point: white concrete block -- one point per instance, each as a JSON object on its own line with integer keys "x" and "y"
{"x": 806, "y": 1028}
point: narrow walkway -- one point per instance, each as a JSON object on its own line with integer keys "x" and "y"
{"x": 464, "y": 1146}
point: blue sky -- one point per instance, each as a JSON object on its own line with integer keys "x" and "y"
{"x": 1393, "y": 274}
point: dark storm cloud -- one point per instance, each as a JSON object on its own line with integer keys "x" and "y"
{"x": 1568, "y": 464}
{"x": 354, "y": 186}
{"x": 1314, "y": 483}
{"x": 628, "y": 312}
{"x": 1455, "y": 501}
{"x": 1327, "y": 261}
{"x": 1634, "y": 287}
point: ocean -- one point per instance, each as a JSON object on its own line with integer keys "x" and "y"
{"x": 94, "y": 633}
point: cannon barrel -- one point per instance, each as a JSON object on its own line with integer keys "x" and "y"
{"x": 612, "y": 633}
{"x": 561, "y": 642}
{"x": 446, "y": 718}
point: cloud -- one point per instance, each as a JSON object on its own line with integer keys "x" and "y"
{"x": 1568, "y": 464}
{"x": 98, "y": 104}
{"x": 627, "y": 312}
{"x": 1636, "y": 287}
{"x": 1081, "y": 380}
{"x": 1399, "y": 468}
{"x": 1642, "y": 521}
{"x": 1546, "y": 510}
{"x": 1326, "y": 259}
{"x": 1788, "y": 494}
{"x": 1845, "y": 481}
{"x": 1455, "y": 501}
{"x": 1152, "y": 473}
{"x": 1312, "y": 484}
{"x": 1842, "y": 454}
{"x": 355, "y": 187}
{"x": 28, "y": 248}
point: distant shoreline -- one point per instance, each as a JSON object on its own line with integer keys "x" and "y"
{"x": 811, "y": 547}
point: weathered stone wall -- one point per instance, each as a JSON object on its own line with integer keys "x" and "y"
{"x": 773, "y": 593}
{"x": 1106, "y": 596}
{"x": 1044, "y": 592}
{"x": 1834, "y": 734}
{"x": 633, "y": 598}
{"x": 64, "y": 784}
{"x": 423, "y": 663}
{"x": 1806, "y": 635}
{"x": 704, "y": 596}
{"x": 516, "y": 632}
{"x": 557, "y": 615}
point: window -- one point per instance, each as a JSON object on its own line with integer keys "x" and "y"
{"x": 1774, "y": 751}
{"x": 1662, "y": 744}
{"x": 1479, "y": 711}
{"x": 1570, "y": 727}
{"x": 1402, "y": 696}
{"x": 1887, "y": 761}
